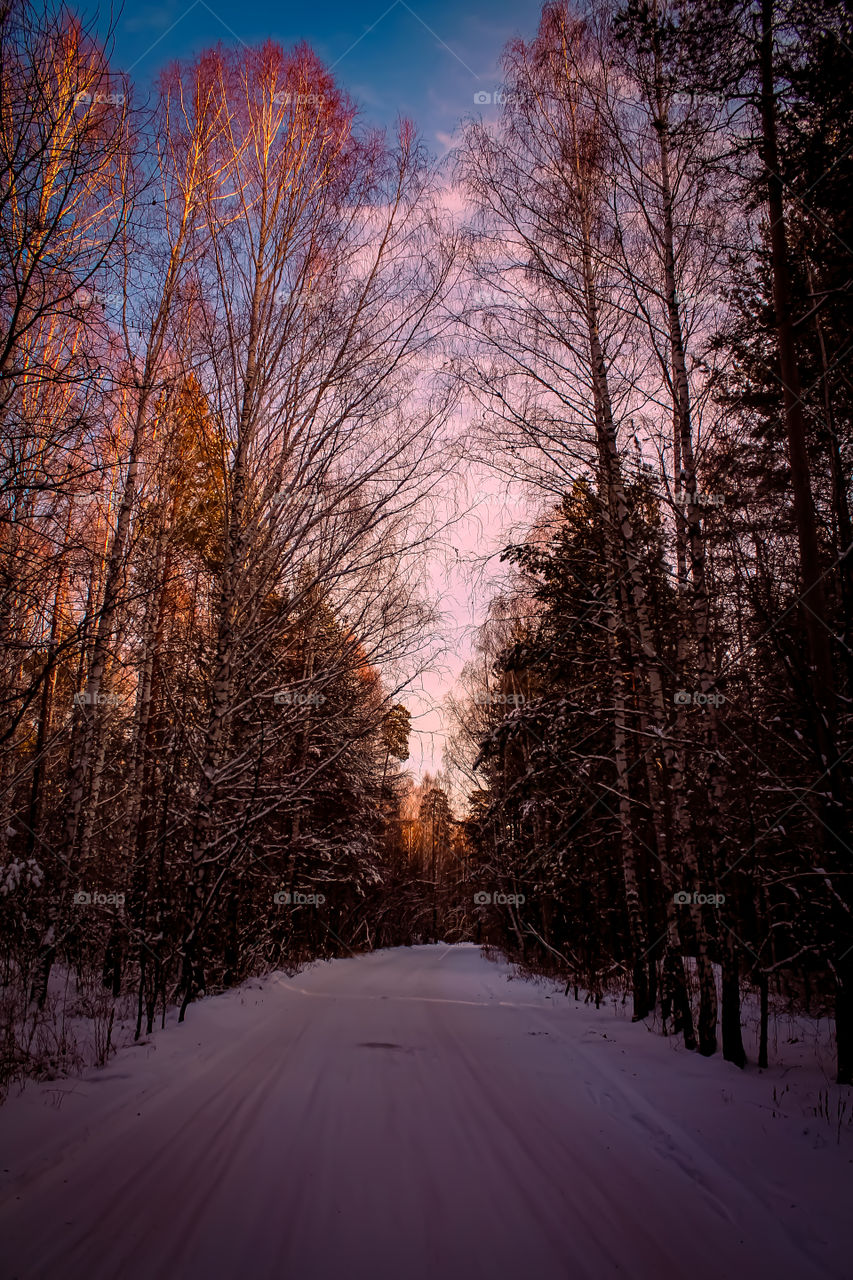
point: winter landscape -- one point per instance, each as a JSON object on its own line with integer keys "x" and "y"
{"x": 426, "y": 572}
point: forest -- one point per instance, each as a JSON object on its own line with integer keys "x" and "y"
{"x": 249, "y": 343}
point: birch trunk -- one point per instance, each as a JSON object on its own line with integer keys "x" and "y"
{"x": 689, "y": 533}
{"x": 633, "y": 900}
{"x": 652, "y": 710}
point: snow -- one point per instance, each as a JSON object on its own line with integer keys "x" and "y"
{"x": 421, "y": 1114}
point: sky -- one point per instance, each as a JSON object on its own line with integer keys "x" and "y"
{"x": 462, "y": 576}
{"x": 435, "y": 63}
{"x": 424, "y": 61}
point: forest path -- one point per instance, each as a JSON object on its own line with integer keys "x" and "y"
{"x": 413, "y": 1115}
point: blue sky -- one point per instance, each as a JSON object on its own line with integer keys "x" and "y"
{"x": 424, "y": 60}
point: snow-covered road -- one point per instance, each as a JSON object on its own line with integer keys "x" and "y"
{"x": 414, "y": 1115}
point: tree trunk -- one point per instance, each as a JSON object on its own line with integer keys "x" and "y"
{"x": 633, "y": 901}
{"x": 762, "y": 1034}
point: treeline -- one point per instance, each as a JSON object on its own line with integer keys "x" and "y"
{"x": 235, "y": 323}
{"x": 217, "y": 449}
{"x": 657, "y": 729}
{"x": 426, "y": 893}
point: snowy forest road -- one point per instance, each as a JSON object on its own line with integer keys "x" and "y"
{"x": 412, "y": 1115}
